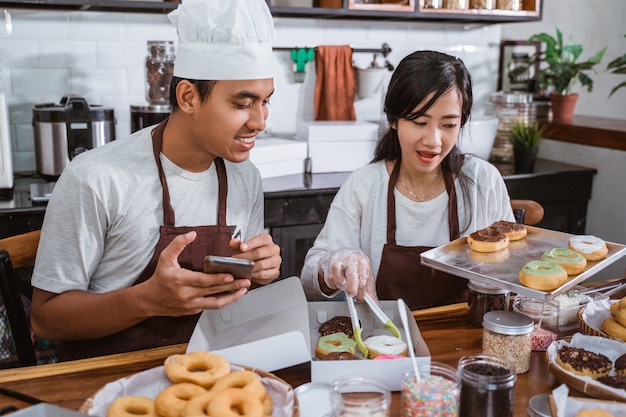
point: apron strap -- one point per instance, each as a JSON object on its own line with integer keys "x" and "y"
{"x": 169, "y": 217}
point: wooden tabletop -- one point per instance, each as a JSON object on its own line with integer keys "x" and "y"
{"x": 445, "y": 331}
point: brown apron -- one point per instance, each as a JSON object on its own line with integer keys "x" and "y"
{"x": 401, "y": 274}
{"x": 210, "y": 240}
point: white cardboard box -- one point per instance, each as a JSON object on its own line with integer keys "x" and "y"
{"x": 280, "y": 168}
{"x": 276, "y": 157}
{"x": 327, "y": 131}
{"x": 337, "y": 163}
{"x": 274, "y": 327}
{"x": 342, "y": 148}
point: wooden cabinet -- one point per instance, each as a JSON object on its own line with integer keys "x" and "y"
{"x": 315, "y": 9}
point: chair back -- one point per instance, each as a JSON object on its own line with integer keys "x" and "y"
{"x": 16, "y": 253}
{"x": 527, "y": 212}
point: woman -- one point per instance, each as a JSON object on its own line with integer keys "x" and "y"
{"x": 419, "y": 192}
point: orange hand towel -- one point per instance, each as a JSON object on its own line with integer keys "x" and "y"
{"x": 334, "y": 85}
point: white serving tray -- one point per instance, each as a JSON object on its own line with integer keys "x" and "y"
{"x": 454, "y": 258}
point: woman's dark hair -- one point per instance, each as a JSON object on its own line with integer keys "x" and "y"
{"x": 204, "y": 88}
{"x": 416, "y": 77}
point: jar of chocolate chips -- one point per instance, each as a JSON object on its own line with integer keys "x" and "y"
{"x": 159, "y": 71}
{"x": 487, "y": 386}
{"x": 482, "y": 299}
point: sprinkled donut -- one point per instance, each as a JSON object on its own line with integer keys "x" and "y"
{"x": 591, "y": 247}
{"x": 172, "y": 400}
{"x": 385, "y": 345}
{"x": 132, "y": 406}
{"x": 542, "y": 275}
{"x": 336, "y": 342}
{"x": 572, "y": 261}
{"x": 200, "y": 368}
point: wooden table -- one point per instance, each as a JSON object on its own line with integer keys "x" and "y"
{"x": 445, "y": 331}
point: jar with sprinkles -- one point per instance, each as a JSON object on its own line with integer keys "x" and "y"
{"x": 434, "y": 393}
{"x": 508, "y": 335}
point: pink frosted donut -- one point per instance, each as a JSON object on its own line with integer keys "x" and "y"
{"x": 386, "y": 357}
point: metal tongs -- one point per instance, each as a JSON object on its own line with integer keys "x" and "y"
{"x": 388, "y": 324}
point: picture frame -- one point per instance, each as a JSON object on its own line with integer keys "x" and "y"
{"x": 516, "y": 71}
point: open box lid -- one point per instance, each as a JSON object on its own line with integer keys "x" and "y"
{"x": 268, "y": 328}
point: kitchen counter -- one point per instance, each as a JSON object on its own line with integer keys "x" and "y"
{"x": 587, "y": 130}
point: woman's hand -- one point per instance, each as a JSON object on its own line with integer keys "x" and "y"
{"x": 348, "y": 270}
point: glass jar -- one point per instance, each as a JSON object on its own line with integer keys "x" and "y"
{"x": 433, "y": 4}
{"x": 436, "y": 393}
{"x": 483, "y": 4}
{"x": 508, "y": 335}
{"x": 545, "y": 315}
{"x": 482, "y": 299}
{"x": 359, "y": 395}
{"x": 159, "y": 71}
{"x": 456, "y": 4}
{"x": 509, "y": 5}
{"x": 509, "y": 107}
{"x": 487, "y": 386}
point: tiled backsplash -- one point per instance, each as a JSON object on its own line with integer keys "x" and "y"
{"x": 100, "y": 56}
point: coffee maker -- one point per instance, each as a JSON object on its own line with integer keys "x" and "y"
{"x": 67, "y": 129}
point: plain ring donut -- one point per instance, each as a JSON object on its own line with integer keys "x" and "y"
{"x": 200, "y": 368}
{"x": 542, "y": 275}
{"x": 132, "y": 406}
{"x": 235, "y": 402}
{"x": 198, "y": 406}
{"x": 172, "y": 400}
{"x": 246, "y": 380}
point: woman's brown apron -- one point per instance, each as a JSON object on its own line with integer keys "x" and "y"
{"x": 401, "y": 274}
{"x": 210, "y": 240}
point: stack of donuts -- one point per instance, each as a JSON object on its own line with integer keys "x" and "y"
{"x": 555, "y": 265}
{"x": 336, "y": 343}
{"x": 615, "y": 326}
{"x": 496, "y": 237}
{"x": 202, "y": 385}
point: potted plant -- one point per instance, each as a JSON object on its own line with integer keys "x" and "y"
{"x": 525, "y": 138}
{"x": 563, "y": 71}
{"x": 617, "y": 66}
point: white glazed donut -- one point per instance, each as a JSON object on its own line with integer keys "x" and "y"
{"x": 385, "y": 345}
{"x": 590, "y": 247}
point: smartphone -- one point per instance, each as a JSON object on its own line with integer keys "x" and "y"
{"x": 239, "y": 268}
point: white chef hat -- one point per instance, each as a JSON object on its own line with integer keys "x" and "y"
{"x": 223, "y": 40}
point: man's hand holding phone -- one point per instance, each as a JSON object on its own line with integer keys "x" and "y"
{"x": 238, "y": 268}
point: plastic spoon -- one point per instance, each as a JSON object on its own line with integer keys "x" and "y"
{"x": 409, "y": 340}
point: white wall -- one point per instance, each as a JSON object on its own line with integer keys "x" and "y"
{"x": 595, "y": 25}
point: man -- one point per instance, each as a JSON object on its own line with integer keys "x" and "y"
{"x": 129, "y": 224}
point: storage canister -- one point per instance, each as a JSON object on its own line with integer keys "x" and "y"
{"x": 509, "y": 107}
{"x": 359, "y": 395}
{"x": 482, "y": 299}
{"x": 508, "y": 335}
{"x": 487, "y": 386}
{"x": 159, "y": 71}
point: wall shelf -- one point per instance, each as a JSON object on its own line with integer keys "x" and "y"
{"x": 532, "y": 10}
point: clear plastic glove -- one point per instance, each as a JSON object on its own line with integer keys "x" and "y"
{"x": 348, "y": 270}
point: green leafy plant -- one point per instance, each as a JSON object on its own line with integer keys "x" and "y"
{"x": 527, "y": 135}
{"x": 617, "y": 66}
{"x": 563, "y": 69}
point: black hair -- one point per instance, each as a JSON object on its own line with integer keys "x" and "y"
{"x": 417, "y": 76}
{"x": 203, "y": 87}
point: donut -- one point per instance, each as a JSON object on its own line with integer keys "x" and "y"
{"x": 514, "y": 231}
{"x": 591, "y": 247}
{"x": 541, "y": 275}
{"x": 172, "y": 400}
{"x": 622, "y": 302}
{"x": 615, "y": 381}
{"x": 619, "y": 315}
{"x": 246, "y": 380}
{"x": 336, "y": 342}
{"x": 487, "y": 240}
{"x": 335, "y": 325}
{"x": 385, "y": 345}
{"x": 200, "y": 368}
{"x": 199, "y": 405}
{"x": 583, "y": 362}
{"x": 132, "y": 406}
{"x": 593, "y": 412}
{"x": 268, "y": 404}
{"x": 389, "y": 357}
{"x": 572, "y": 261}
{"x": 490, "y": 257}
{"x": 234, "y": 402}
{"x": 620, "y": 365}
{"x": 611, "y": 327}
{"x": 341, "y": 356}
{"x": 614, "y": 308}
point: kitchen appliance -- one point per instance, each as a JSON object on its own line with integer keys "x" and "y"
{"x": 144, "y": 116}
{"x": 67, "y": 129}
{"x": 6, "y": 159}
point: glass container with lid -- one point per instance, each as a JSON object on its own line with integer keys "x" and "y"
{"x": 509, "y": 107}
{"x": 507, "y": 335}
{"x": 482, "y": 299}
{"x": 359, "y": 395}
{"x": 159, "y": 71}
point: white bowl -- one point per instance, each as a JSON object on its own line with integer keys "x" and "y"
{"x": 478, "y": 135}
